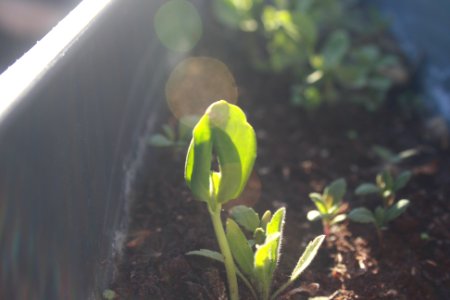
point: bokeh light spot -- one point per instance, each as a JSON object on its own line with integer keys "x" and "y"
{"x": 178, "y": 25}
{"x": 196, "y": 83}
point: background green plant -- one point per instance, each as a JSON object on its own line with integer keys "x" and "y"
{"x": 328, "y": 46}
{"x": 330, "y": 208}
{"x": 386, "y": 187}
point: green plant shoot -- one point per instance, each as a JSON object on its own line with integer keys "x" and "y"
{"x": 224, "y": 134}
{"x": 221, "y": 134}
{"x": 330, "y": 208}
{"x": 386, "y": 186}
{"x": 257, "y": 257}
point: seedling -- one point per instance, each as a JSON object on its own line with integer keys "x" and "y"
{"x": 386, "y": 186}
{"x": 326, "y": 45}
{"x": 175, "y": 137}
{"x": 223, "y": 133}
{"x": 330, "y": 208}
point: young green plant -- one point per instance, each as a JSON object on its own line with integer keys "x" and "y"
{"x": 175, "y": 137}
{"x": 386, "y": 187}
{"x": 330, "y": 208}
{"x": 223, "y": 134}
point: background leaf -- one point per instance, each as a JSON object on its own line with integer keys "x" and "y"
{"x": 402, "y": 180}
{"x": 313, "y": 215}
{"x": 366, "y": 189}
{"x": 397, "y": 209}
{"x": 336, "y": 190}
{"x": 160, "y": 140}
{"x": 361, "y": 215}
{"x": 246, "y": 217}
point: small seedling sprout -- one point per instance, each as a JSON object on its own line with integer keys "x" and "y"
{"x": 386, "y": 187}
{"x": 330, "y": 208}
{"x": 223, "y": 134}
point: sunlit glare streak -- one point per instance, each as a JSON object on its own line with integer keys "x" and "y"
{"x": 23, "y": 74}
{"x": 196, "y": 83}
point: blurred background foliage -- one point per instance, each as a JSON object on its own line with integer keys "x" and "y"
{"x": 335, "y": 50}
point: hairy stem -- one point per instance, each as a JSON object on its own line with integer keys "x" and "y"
{"x": 226, "y": 252}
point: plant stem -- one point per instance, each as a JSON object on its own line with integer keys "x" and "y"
{"x": 226, "y": 252}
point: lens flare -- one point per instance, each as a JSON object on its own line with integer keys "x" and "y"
{"x": 178, "y": 25}
{"x": 196, "y": 83}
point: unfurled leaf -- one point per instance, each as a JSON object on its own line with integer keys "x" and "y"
{"x": 307, "y": 257}
{"x": 366, "y": 189}
{"x": 240, "y": 248}
{"x": 160, "y": 140}
{"x": 246, "y": 217}
{"x": 336, "y": 190}
{"x": 207, "y": 253}
{"x": 362, "y": 215}
{"x": 224, "y": 130}
{"x": 275, "y": 227}
{"x": 265, "y": 258}
{"x": 319, "y": 202}
{"x": 313, "y": 215}
{"x": 402, "y": 180}
{"x": 397, "y": 209}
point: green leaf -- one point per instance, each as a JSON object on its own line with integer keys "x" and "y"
{"x": 240, "y": 248}
{"x": 336, "y": 190}
{"x": 246, "y": 217}
{"x": 361, "y": 215}
{"x": 397, "y": 209}
{"x": 318, "y": 201}
{"x": 214, "y": 255}
{"x": 265, "y": 258}
{"x": 159, "y": 140}
{"x": 265, "y": 219}
{"x": 307, "y": 257}
{"x": 222, "y": 129}
{"x": 275, "y": 227}
{"x": 402, "y": 180}
{"x": 234, "y": 143}
{"x": 366, "y": 189}
{"x": 335, "y": 48}
{"x": 385, "y": 154}
{"x": 313, "y": 215}
{"x": 198, "y": 161}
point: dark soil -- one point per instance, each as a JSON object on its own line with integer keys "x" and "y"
{"x": 299, "y": 153}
